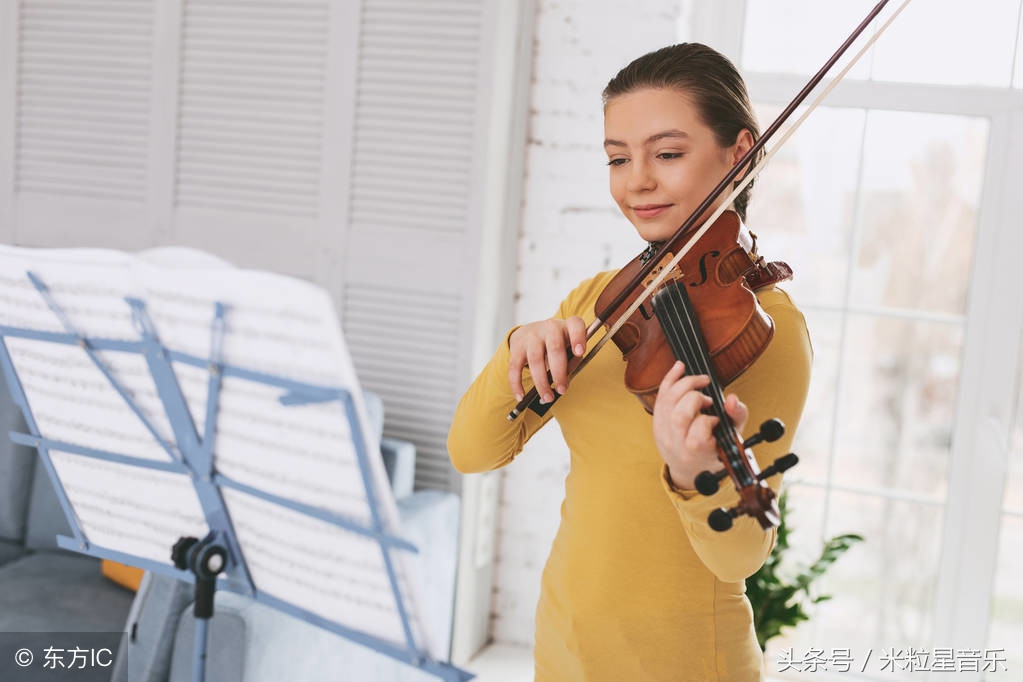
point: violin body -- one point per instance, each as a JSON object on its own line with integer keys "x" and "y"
{"x": 735, "y": 328}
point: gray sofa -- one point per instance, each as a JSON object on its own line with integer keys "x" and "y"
{"x": 45, "y": 589}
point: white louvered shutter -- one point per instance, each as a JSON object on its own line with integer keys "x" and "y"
{"x": 253, "y": 87}
{"x": 263, "y": 131}
{"x": 416, "y": 206}
{"x": 80, "y": 133}
{"x": 350, "y": 143}
{"x": 344, "y": 142}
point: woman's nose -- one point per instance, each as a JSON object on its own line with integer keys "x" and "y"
{"x": 641, "y": 177}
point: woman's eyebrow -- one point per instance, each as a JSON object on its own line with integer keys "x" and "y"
{"x": 674, "y": 132}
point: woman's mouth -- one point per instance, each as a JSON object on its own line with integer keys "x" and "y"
{"x": 650, "y": 210}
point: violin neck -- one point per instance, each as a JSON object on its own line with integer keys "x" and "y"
{"x": 675, "y": 313}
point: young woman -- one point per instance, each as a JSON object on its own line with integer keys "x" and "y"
{"x": 638, "y": 587}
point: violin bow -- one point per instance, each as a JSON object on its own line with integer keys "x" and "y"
{"x": 749, "y": 177}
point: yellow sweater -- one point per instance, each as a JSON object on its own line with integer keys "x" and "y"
{"x": 637, "y": 586}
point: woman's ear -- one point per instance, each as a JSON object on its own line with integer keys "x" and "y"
{"x": 743, "y": 143}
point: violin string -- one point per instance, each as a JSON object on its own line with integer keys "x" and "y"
{"x": 688, "y": 348}
{"x": 685, "y": 333}
{"x": 677, "y": 324}
{"x": 726, "y": 429}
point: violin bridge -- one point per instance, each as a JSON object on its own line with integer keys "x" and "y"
{"x": 660, "y": 267}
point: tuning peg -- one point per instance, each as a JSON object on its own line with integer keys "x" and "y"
{"x": 721, "y": 519}
{"x": 770, "y": 431}
{"x": 783, "y": 463}
{"x": 707, "y": 482}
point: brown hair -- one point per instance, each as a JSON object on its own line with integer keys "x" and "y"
{"x": 709, "y": 79}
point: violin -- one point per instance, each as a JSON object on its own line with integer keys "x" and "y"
{"x": 706, "y": 315}
{"x": 702, "y": 311}
{"x": 732, "y": 326}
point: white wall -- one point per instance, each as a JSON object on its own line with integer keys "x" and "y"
{"x": 570, "y": 230}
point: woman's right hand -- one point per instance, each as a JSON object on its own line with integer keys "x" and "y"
{"x": 544, "y": 346}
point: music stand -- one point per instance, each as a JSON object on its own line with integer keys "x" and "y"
{"x": 215, "y": 415}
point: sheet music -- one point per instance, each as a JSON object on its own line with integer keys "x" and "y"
{"x": 68, "y": 392}
{"x": 288, "y": 328}
{"x": 305, "y": 453}
{"x": 128, "y": 508}
{"x": 56, "y": 378}
{"x": 321, "y": 568}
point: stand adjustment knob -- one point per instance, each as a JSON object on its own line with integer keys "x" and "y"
{"x": 180, "y": 551}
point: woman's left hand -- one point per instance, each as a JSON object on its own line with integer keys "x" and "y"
{"x": 683, "y": 434}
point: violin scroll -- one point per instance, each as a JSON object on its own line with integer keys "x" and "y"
{"x": 765, "y": 510}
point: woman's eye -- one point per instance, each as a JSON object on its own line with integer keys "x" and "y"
{"x": 669, "y": 155}
{"x": 616, "y": 162}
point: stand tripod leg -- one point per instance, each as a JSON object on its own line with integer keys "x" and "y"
{"x": 206, "y": 560}
{"x": 199, "y": 660}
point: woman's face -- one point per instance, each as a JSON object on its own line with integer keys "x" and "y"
{"x": 664, "y": 160}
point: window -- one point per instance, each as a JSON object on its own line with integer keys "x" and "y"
{"x": 894, "y": 204}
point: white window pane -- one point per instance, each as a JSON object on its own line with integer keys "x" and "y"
{"x": 803, "y": 202}
{"x": 804, "y": 520}
{"x": 935, "y": 41}
{"x": 897, "y": 404}
{"x": 816, "y": 427}
{"x": 922, "y": 175}
{"x": 949, "y": 43}
{"x": 883, "y": 588}
{"x": 798, "y": 36}
{"x": 1007, "y": 602}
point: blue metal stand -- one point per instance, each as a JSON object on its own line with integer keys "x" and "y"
{"x": 206, "y": 560}
{"x": 216, "y": 561}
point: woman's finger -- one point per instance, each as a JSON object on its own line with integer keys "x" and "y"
{"x": 516, "y": 364}
{"x": 576, "y": 335}
{"x": 691, "y": 404}
{"x": 676, "y": 372}
{"x": 701, "y": 432}
{"x": 557, "y": 356}
{"x": 676, "y": 384}
{"x": 536, "y": 359}
{"x": 736, "y": 411}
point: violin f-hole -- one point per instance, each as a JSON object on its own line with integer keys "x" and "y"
{"x": 703, "y": 268}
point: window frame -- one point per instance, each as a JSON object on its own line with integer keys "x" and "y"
{"x": 989, "y": 371}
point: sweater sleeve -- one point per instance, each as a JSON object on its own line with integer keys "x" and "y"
{"x": 775, "y": 386}
{"x": 481, "y": 437}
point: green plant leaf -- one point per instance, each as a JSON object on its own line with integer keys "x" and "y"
{"x": 778, "y": 602}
